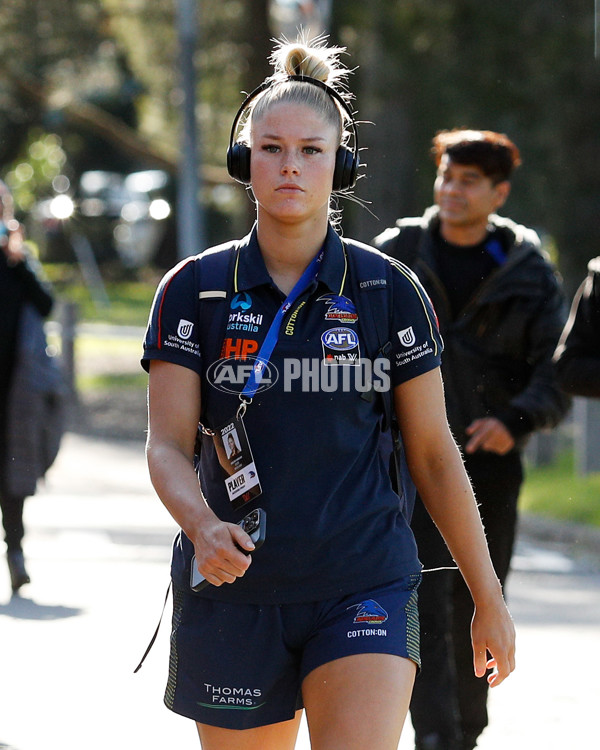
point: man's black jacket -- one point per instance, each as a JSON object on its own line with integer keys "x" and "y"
{"x": 497, "y": 358}
{"x": 577, "y": 357}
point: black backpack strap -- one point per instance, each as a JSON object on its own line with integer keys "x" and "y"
{"x": 371, "y": 282}
{"x": 401, "y": 242}
{"x": 217, "y": 270}
{"x": 155, "y": 634}
{"x": 370, "y": 278}
{"x": 216, "y": 276}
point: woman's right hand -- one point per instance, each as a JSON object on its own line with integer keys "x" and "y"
{"x": 219, "y": 556}
{"x": 173, "y": 413}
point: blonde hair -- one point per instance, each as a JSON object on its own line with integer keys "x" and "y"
{"x": 313, "y": 60}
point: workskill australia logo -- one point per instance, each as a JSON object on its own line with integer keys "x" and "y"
{"x": 239, "y": 317}
{"x": 241, "y": 301}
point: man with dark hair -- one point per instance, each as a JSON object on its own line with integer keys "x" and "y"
{"x": 501, "y": 312}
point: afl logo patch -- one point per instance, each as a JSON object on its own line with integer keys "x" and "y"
{"x": 340, "y": 347}
{"x": 340, "y": 339}
{"x": 184, "y": 329}
{"x": 407, "y": 336}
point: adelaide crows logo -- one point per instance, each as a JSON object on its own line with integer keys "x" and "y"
{"x": 340, "y": 308}
{"x": 369, "y": 612}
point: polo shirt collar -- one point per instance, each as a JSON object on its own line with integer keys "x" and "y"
{"x": 252, "y": 272}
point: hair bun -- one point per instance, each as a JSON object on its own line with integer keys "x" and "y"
{"x": 311, "y": 59}
{"x": 302, "y": 61}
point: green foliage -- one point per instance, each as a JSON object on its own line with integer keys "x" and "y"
{"x": 555, "y": 491}
{"x": 109, "y": 363}
{"x": 33, "y": 172}
{"x": 41, "y": 45}
{"x": 149, "y": 34}
{"x": 113, "y": 381}
{"x": 39, "y": 35}
{"x": 129, "y": 301}
{"x": 527, "y": 69}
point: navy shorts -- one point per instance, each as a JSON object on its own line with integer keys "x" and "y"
{"x": 241, "y": 666}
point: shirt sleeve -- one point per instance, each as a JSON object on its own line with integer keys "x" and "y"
{"x": 173, "y": 332}
{"x": 416, "y": 341}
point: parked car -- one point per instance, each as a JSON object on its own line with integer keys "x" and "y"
{"x": 114, "y": 216}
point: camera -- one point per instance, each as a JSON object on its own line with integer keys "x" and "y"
{"x": 255, "y": 525}
{"x": 251, "y": 522}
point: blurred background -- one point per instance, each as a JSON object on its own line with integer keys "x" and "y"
{"x": 115, "y": 119}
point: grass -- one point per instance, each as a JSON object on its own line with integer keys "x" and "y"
{"x": 556, "y": 491}
{"x": 126, "y": 349}
{"x": 104, "y": 363}
{"x": 112, "y": 381}
{"x": 127, "y": 300}
{"x": 129, "y": 303}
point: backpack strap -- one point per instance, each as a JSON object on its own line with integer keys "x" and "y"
{"x": 216, "y": 277}
{"x": 217, "y": 271}
{"x": 371, "y": 282}
{"x": 402, "y": 242}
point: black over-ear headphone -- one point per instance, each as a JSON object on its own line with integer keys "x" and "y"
{"x": 346, "y": 160}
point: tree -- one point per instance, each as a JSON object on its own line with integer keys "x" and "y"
{"x": 524, "y": 69}
{"x": 40, "y": 41}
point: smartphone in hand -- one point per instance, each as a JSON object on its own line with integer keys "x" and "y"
{"x": 255, "y": 525}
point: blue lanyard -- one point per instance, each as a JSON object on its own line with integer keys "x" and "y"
{"x": 266, "y": 350}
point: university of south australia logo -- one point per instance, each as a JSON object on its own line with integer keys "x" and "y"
{"x": 407, "y": 337}
{"x": 184, "y": 329}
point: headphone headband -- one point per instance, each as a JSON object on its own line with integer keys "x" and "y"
{"x": 350, "y": 159}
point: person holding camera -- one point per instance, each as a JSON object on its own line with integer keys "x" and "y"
{"x": 20, "y": 285}
{"x": 323, "y": 616}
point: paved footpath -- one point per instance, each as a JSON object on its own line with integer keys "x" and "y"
{"x": 98, "y": 549}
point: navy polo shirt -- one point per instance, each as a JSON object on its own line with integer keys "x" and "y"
{"x": 334, "y": 524}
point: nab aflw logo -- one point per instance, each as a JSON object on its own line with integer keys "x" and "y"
{"x": 184, "y": 329}
{"x": 407, "y": 336}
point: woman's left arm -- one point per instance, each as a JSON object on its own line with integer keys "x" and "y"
{"x": 438, "y": 472}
